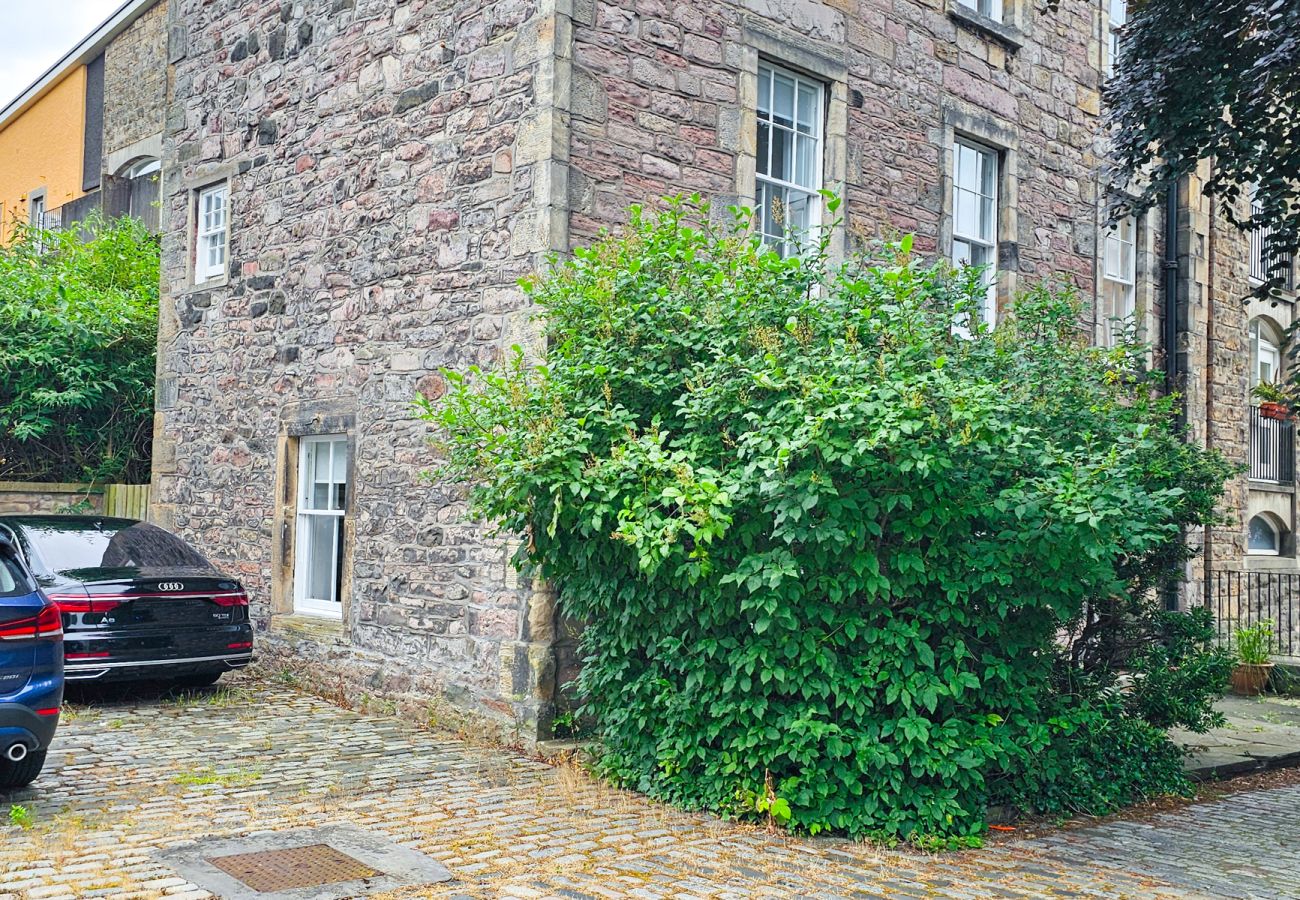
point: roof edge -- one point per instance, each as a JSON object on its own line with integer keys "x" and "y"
{"x": 84, "y": 51}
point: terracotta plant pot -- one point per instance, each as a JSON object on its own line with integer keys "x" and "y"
{"x": 1274, "y": 411}
{"x": 1248, "y": 679}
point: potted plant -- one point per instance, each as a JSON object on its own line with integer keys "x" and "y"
{"x": 1253, "y": 666}
{"x": 1273, "y": 401}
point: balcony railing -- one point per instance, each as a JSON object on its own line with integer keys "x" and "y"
{"x": 1272, "y": 448}
{"x": 1243, "y": 599}
{"x": 1261, "y": 262}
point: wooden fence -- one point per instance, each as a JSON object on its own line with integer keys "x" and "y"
{"x": 126, "y": 501}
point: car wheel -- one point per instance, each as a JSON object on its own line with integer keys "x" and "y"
{"x": 15, "y": 775}
{"x": 201, "y": 680}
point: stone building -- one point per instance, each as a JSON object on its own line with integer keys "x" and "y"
{"x": 87, "y": 135}
{"x": 353, "y": 187}
{"x": 1229, "y": 341}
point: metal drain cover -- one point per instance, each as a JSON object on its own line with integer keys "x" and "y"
{"x": 330, "y": 863}
{"x": 283, "y": 870}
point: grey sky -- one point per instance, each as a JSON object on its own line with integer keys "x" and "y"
{"x": 34, "y": 34}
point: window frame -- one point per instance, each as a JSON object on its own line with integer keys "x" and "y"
{"x": 305, "y": 512}
{"x": 147, "y": 171}
{"x": 1114, "y": 33}
{"x": 37, "y": 200}
{"x": 989, "y": 312}
{"x": 148, "y": 165}
{"x": 1260, "y": 334}
{"x": 1125, "y": 280}
{"x": 783, "y": 243}
{"x": 1274, "y": 529}
{"x": 995, "y": 8}
{"x": 206, "y": 272}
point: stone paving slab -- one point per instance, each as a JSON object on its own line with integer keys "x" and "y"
{"x": 135, "y": 778}
{"x": 1262, "y": 733}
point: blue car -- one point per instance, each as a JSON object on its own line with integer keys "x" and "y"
{"x": 31, "y": 671}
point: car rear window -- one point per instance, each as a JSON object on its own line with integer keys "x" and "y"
{"x": 13, "y": 581}
{"x": 136, "y": 546}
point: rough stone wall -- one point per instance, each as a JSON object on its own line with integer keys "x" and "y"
{"x": 658, "y": 93}
{"x": 20, "y": 498}
{"x": 389, "y": 166}
{"x": 1215, "y": 312}
{"x": 1226, "y": 371}
{"x": 135, "y": 81}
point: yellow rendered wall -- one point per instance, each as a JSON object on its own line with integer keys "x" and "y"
{"x": 43, "y": 147}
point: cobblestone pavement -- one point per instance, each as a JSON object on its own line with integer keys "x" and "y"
{"x": 133, "y": 777}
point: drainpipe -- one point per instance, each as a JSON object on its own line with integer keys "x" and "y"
{"x": 1171, "y": 334}
{"x": 1207, "y": 544}
{"x": 1171, "y": 294}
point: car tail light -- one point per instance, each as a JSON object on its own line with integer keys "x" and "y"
{"x": 236, "y": 598}
{"x": 240, "y": 645}
{"x": 49, "y": 624}
{"x": 72, "y": 604}
{"x": 21, "y": 630}
{"x": 46, "y": 625}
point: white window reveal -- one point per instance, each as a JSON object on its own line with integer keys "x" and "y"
{"x": 212, "y": 238}
{"x": 1118, "y": 19}
{"x": 975, "y": 217}
{"x": 990, "y": 8}
{"x": 791, "y": 134}
{"x": 1263, "y": 538}
{"x": 1119, "y": 278}
{"x": 36, "y": 211}
{"x": 142, "y": 184}
{"x": 322, "y": 504}
{"x": 1265, "y": 354}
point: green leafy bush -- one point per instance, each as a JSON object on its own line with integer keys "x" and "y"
{"x": 840, "y": 568}
{"x": 78, "y": 336}
{"x": 1100, "y": 762}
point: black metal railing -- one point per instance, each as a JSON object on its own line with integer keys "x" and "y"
{"x": 1243, "y": 599}
{"x": 1263, "y": 264}
{"x": 1272, "y": 448}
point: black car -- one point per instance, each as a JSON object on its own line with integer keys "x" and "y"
{"x": 136, "y": 601}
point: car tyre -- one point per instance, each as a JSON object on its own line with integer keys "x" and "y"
{"x": 15, "y": 775}
{"x": 200, "y": 680}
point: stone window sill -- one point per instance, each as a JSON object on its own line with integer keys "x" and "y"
{"x": 191, "y": 288}
{"x": 1263, "y": 563}
{"x": 1284, "y": 295}
{"x": 319, "y": 629}
{"x": 1270, "y": 487}
{"x": 1013, "y": 38}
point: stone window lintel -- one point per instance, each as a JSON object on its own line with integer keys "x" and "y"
{"x": 818, "y": 58}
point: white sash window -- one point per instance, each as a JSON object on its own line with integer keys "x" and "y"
{"x": 322, "y": 504}
{"x": 791, "y": 125}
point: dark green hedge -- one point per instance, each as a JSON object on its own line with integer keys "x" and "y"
{"x": 78, "y": 338}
